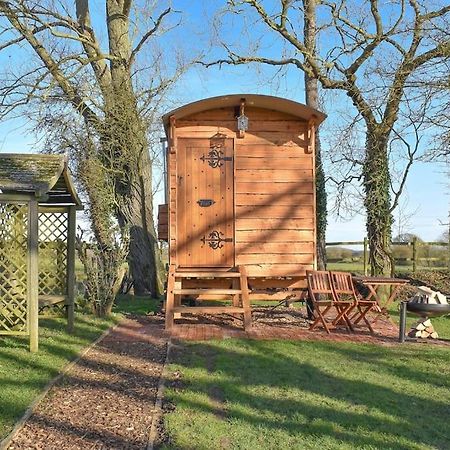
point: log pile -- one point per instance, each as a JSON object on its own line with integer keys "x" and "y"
{"x": 424, "y": 330}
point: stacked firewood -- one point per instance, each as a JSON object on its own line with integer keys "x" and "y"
{"x": 424, "y": 329}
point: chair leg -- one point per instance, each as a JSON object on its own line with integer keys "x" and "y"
{"x": 320, "y": 318}
{"x": 363, "y": 317}
{"x": 343, "y": 311}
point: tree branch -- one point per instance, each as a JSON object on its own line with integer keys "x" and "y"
{"x": 51, "y": 65}
{"x": 149, "y": 33}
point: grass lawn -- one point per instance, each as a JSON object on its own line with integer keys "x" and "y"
{"x": 23, "y": 375}
{"x": 244, "y": 394}
{"x": 133, "y": 304}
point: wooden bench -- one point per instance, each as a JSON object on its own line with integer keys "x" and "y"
{"x": 48, "y": 301}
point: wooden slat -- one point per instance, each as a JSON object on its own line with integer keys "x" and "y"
{"x": 277, "y": 199}
{"x": 284, "y": 187}
{"x": 268, "y": 163}
{"x": 209, "y": 309}
{"x": 274, "y": 247}
{"x": 248, "y": 150}
{"x": 207, "y": 275}
{"x": 45, "y": 300}
{"x": 273, "y": 175}
{"x": 163, "y": 222}
{"x": 213, "y": 126}
{"x": 275, "y": 236}
{"x": 243, "y": 224}
{"x": 274, "y": 211}
{"x": 254, "y": 114}
{"x": 257, "y": 137}
{"x": 206, "y": 291}
{"x": 259, "y": 283}
{"x": 277, "y": 296}
{"x": 275, "y": 258}
{"x": 278, "y": 269}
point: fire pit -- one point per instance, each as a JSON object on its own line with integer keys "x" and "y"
{"x": 426, "y": 303}
{"x": 427, "y": 309}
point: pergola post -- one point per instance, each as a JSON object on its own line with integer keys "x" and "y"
{"x": 33, "y": 274}
{"x": 38, "y": 204}
{"x": 71, "y": 230}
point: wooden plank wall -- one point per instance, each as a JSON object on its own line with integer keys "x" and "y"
{"x": 274, "y": 190}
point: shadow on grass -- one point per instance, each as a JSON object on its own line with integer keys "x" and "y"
{"x": 23, "y": 374}
{"x": 356, "y": 396}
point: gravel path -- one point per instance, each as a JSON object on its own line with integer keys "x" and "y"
{"x": 106, "y": 401}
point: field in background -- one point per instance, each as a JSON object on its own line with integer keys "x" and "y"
{"x": 410, "y": 256}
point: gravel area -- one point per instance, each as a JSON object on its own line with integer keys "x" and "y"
{"x": 106, "y": 400}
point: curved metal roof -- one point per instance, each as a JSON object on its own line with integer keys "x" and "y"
{"x": 256, "y": 100}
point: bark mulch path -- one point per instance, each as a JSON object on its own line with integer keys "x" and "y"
{"x": 106, "y": 400}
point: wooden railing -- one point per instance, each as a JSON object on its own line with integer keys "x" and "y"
{"x": 415, "y": 245}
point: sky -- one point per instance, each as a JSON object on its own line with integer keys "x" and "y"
{"x": 426, "y": 199}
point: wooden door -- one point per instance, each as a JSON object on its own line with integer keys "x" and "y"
{"x": 205, "y": 206}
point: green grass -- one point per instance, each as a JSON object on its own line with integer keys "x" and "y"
{"x": 132, "y": 304}
{"x": 246, "y": 394}
{"x": 23, "y": 375}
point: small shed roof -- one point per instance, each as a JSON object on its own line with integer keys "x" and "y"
{"x": 39, "y": 175}
{"x": 259, "y": 101}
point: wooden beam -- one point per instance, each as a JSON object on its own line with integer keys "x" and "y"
{"x": 53, "y": 209}
{"x": 7, "y": 198}
{"x": 70, "y": 282}
{"x": 33, "y": 275}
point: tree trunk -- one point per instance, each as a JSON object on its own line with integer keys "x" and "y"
{"x": 136, "y": 212}
{"x": 126, "y": 138}
{"x": 312, "y": 100}
{"x": 377, "y": 202}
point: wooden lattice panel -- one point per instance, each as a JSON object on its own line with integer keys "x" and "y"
{"x": 52, "y": 253}
{"x": 13, "y": 268}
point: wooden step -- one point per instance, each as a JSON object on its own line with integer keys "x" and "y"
{"x": 206, "y": 291}
{"x": 208, "y": 309}
{"x": 207, "y": 274}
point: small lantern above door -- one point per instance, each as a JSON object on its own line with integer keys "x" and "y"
{"x": 242, "y": 120}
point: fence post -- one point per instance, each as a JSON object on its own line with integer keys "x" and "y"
{"x": 414, "y": 249}
{"x": 365, "y": 256}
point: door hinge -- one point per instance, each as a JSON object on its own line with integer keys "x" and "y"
{"x": 216, "y": 157}
{"x": 215, "y": 239}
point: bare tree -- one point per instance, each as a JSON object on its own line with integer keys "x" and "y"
{"x": 374, "y": 52}
{"x": 312, "y": 99}
{"x": 94, "y": 77}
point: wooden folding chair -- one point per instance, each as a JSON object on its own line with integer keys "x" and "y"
{"x": 344, "y": 289}
{"x": 324, "y": 299}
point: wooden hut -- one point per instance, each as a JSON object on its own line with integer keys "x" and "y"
{"x": 241, "y": 194}
{"x": 38, "y": 204}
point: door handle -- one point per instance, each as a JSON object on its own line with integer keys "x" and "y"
{"x": 205, "y": 202}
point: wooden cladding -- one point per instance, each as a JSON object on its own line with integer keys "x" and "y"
{"x": 248, "y": 201}
{"x": 163, "y": 222}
